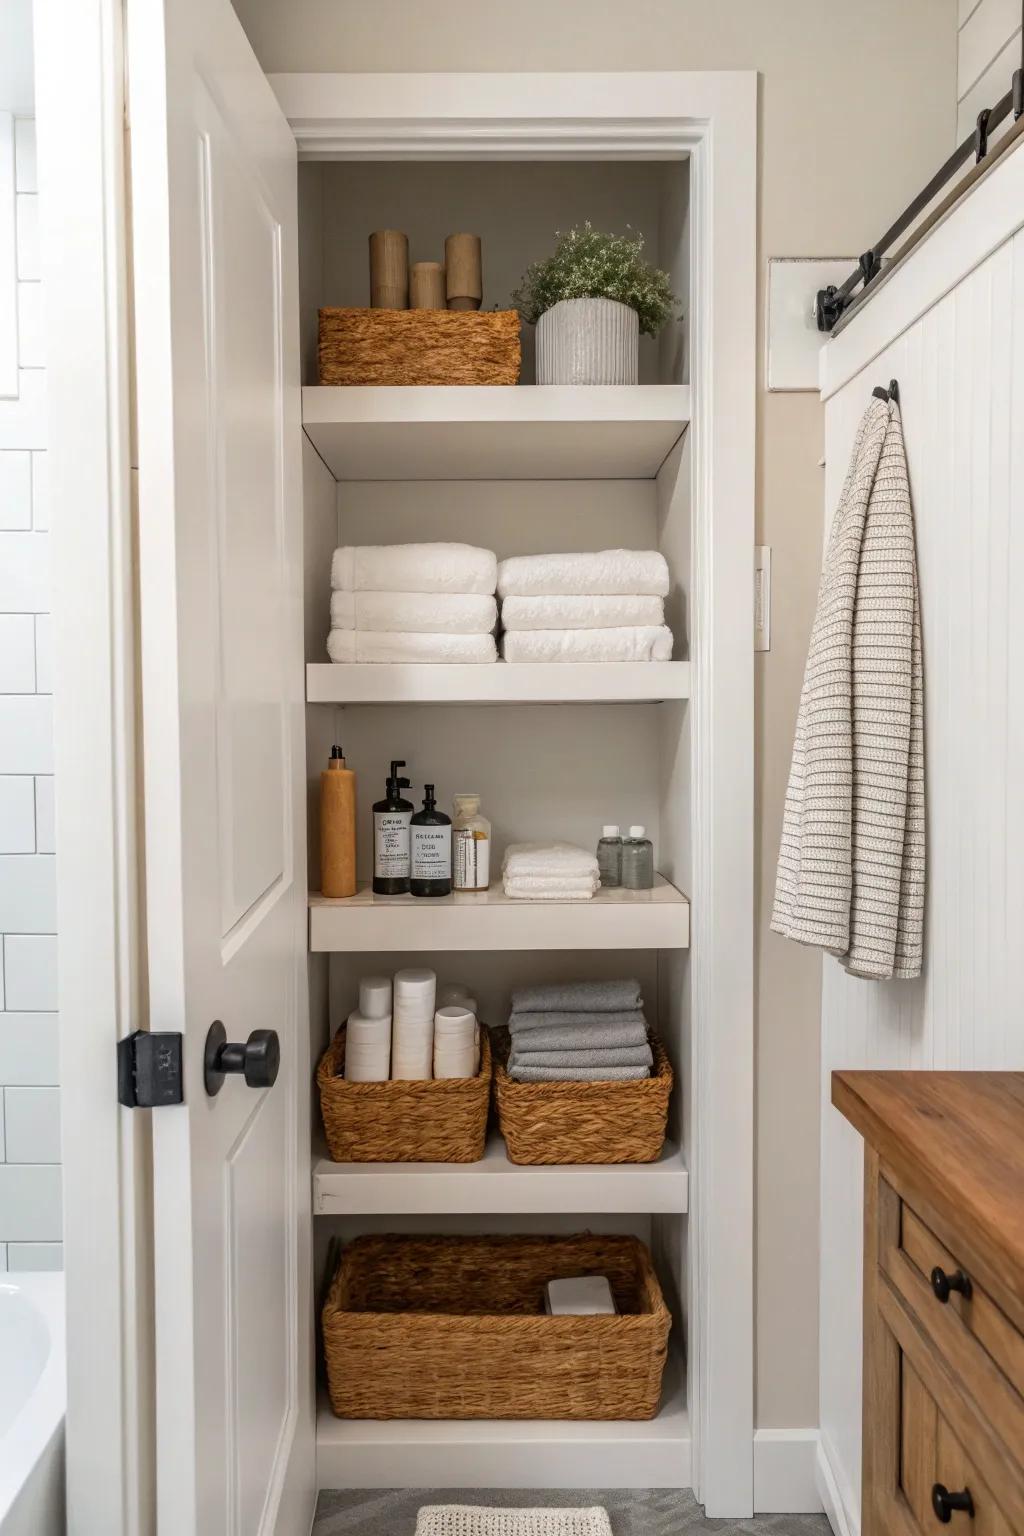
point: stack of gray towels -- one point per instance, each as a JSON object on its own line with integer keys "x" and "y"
{"x": 579, "y": 1032}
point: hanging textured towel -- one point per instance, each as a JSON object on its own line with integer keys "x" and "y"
{"x": 851, "y": 875}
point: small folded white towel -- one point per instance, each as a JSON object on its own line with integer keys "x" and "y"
{"x": 347, "y": 645}
{"x": 558, "y": 859}
{"x": 414, "y": 568}
{"x": 634, "y": 572}
{"x": 653, "y": 643}
{"x": 614, "y": 612}
{"x": 560, "y": 884}
{"x": 513, "y": 888}
{"x": 422, "y": 613}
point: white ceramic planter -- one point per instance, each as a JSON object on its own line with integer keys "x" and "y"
{"x": 588, "y": 341}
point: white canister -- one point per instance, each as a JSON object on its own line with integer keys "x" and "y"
{"x": 588, "y": 341}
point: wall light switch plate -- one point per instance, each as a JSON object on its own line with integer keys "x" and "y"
{"x": 762, "y": 597}
{"x": 793, "y": 340}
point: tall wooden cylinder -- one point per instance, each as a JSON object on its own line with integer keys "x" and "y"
{"x": 463, "y": 264}
{"x": 426, "y": 285}
{"x": 389, "y": 269}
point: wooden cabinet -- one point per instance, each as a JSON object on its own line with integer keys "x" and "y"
{"x": 943, "y": 1300}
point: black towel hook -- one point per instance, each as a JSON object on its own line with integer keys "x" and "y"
{"x": 892, "y": 393}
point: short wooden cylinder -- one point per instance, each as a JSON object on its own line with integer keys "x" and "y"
{"x": 389, "y": 269}
{"x": 463, "y": 264}
{"x": 426, "y": 285}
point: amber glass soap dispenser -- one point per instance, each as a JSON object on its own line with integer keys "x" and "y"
{"x": 338, "y": 827}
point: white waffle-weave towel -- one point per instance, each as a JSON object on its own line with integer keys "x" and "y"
{"x": 472, "y": 1520}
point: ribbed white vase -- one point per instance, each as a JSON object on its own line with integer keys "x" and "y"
{"x": 588, "y": 341}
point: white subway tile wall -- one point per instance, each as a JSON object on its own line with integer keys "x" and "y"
{"x": 30, "y": 1178}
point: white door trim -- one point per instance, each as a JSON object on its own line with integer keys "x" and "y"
{"x": 712, "y": 118}
{"x": 107, "y": 1256}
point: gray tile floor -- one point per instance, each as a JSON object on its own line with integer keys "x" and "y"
{"x": 638, "y": 1512}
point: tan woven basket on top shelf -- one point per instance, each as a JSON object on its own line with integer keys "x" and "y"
{"x": 455, "y": 1328}
{"x": 583, "y": 1122}
{"x": 443, "y": 1120}
{"x": 419, "y": 346}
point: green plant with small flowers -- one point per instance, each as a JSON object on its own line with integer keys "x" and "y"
{"x": 587, "y": 264}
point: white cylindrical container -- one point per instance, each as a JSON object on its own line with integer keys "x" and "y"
{"x": 588, "y": 341}
{"x": 455, "y": 1043}
{"x": 375, "y": 997}
{"x": 413, "y": 1023}
{"x": 367, "y": 1048}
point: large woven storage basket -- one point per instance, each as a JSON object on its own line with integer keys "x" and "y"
{"x": 443, "y": 1120}
{"x": 419, "y": 346}
{"x": 455, "y": 1328}
{"x": 583, "y": 1122}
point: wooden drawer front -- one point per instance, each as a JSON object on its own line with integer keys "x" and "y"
{"x": 932, "y": 1457}
{"x": 978, "y": 1342}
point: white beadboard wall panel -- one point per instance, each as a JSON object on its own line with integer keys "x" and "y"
{"x": 963, "y": 412}
{"x": 983, "y": 36}
{"x": 985, "y": 92}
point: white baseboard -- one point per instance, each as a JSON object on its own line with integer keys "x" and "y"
{"x": 785, "y": 1463}
{"x": 834, "y": 1490}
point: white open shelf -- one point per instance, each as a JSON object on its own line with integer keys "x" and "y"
{"x": 510, "y": 1453}
{"x": 570, "y": 682}
{"x": 656, "y": 919}
{"x": 495, "y": 1184}
{"x": 515, "y": 432}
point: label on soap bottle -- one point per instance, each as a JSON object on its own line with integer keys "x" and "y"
{"x": 431, "y": 853}
{"x": 472, "y": 866}
{"x": 391, "y": 845}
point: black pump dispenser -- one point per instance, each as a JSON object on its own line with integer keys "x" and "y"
{"x": 391, "y": 818}
{"x": 431, "y": 849}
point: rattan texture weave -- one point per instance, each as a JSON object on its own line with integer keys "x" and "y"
{"x": 443, "y": 1120}
{"x": 455, "y": 1328}
{"x": 419, "y": 346}
{"x": 583, "y": 1122}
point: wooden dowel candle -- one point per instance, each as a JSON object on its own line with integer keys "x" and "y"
{"x": 389, "y": 269}
{"x": 426, "y": 285}
{"x": 463, "y": 265}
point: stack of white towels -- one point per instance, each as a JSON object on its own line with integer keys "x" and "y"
{"x": 411, "y": 1030}
{"x": 608, "y": 606}
{"x": 549, "y": 872}
{"x": 584, "y": 1031}
{"x": 413, "y": 603}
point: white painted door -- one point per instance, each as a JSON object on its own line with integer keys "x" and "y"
{"x": 220, "y": 545}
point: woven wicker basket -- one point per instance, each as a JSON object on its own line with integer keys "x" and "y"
{"x": 419, "y": 346}
{"x": 443, "y": 1120}
{"x": 583, "y": 1122}
{"x": 455, "y": 1328}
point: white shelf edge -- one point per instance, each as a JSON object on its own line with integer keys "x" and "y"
{"x": 515, "y": 404}
{"x": 626, "y": 682}
{"x": 656, "y": 919}
{"x": 510, "y": 1453}
{"x": 496, "y": 1185}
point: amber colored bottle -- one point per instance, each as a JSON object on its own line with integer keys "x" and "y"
{"x": 338, "y": 827}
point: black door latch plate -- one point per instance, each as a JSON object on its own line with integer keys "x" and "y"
{"x": 149, "y": 1073}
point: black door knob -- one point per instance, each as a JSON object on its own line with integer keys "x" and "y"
{"x": 944, "y": 1503}
{"x": 943, "y": 1284}
{"x": 259, "y": 1059}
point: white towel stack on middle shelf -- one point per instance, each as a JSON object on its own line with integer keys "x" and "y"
{"x": 549, "y": 872}
{"x": 603, "y": 606}
{"x": 413, "y": 603}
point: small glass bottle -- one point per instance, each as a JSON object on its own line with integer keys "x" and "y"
{"x": 471, "y": 845}
{"x": 609, "y": 857}
{"x": 637, "y": 861}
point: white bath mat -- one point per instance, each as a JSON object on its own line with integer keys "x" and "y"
{"x": 469, "y": 1520}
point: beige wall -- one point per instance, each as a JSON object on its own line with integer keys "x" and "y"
{"x": 857, "y": 110}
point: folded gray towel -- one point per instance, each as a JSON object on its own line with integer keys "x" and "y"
{"x": 579, "y": 1074}
{"x": 527, "y": 1023}
{"x": 594, "y": 1032}
{"x": 630, "y": 1056}
{"x": 578, "y": 997}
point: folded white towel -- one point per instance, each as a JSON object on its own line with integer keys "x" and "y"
{"x": 346, "y": 645}
{"x": 634, "y": 572}
{"x": 514, "y": 889}
{"x": 653, "y": 643}
{"x": 414, "y": 568}
{"x": 550, "y": 859}
{"x": 423, "y": 613}
{"x": 615, "y": 612}
{"x": 525, "y": 884}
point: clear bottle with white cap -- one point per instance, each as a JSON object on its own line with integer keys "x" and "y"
{"x": 637, "y": 861}
{"x": 609, "y": 857}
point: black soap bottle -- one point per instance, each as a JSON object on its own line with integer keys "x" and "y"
{"x": 391, "y": 818}
{"x": 431, "y": 854}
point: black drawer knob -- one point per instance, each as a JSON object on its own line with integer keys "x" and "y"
{"x": 944, "y": 1503}
{"x": 943, "y": 1284}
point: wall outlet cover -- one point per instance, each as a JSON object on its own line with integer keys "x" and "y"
{"x": 792, "y": 338}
